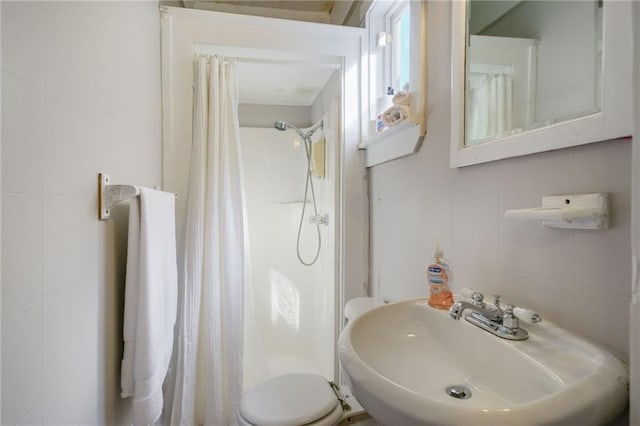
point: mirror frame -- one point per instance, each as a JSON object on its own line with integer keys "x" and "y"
{"x": 615, "y": 119}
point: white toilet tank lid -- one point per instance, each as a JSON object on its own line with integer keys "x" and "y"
{"x": 288, "y": 400}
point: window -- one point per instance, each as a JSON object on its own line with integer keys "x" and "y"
{"x": 391, "y": 41}
{"x": 389, "y": 24}
{"x": 396, "y": 58}
{"x": 400, "y": 55}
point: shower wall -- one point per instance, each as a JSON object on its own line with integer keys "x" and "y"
{"x": 254, "y": 115}
{"x": 293, "y": 304}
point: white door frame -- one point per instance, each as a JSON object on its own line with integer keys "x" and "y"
{"x": 634, "y": 321}
{"x": 183, "y": 29}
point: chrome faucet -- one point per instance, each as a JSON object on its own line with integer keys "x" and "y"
{"x": 492, "y": 318}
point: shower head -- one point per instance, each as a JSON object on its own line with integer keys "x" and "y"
{"x": 281, "y": 125}
{"x": 284, "y": 125}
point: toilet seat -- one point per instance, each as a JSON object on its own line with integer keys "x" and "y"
{"x": 291, "y": 400}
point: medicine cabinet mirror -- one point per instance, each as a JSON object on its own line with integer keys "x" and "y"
{"x": 531, "y": 76}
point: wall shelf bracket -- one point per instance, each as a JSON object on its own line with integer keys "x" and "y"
{"x": 110, "y": 195}
{"x": 581, "y": 211}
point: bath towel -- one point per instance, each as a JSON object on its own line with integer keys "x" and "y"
{"x": 150, "y": 302}
{"x": 394, "y": 115}
{"x": 402, "y": 98}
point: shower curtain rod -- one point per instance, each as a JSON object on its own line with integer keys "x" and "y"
{"x": 109, "y": 195}
{"x": 318, "y": 64}
{"x": 253, "y": 56}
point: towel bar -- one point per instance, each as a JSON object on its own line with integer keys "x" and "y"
{"x": 110, "y": 195}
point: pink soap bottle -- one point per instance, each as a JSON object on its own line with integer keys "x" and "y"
{"x": 438, "y": 276}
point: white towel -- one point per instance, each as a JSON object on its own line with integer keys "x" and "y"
{"x": 402, "y": 98}
{"x": 150, "y": 302}
{"x": 394, "y": 115}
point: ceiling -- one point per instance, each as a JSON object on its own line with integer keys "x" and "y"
{"x": 300, "y": 10}
{"x": 309, "y": 5}
{"x": 281, "y": 82}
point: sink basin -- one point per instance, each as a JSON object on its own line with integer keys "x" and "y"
{"x": 401, "y": 358}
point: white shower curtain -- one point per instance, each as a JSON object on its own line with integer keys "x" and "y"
{"x": 489, "y": 107}
{"x": 205, "y": 384}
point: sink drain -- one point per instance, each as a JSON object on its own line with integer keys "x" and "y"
{"x": 459, "y": 392}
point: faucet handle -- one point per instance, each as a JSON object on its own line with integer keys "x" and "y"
{"x": 527, "y": 315}
{"x": 509, "y": 320}
{"x": 467, "y": 293}
{"x": 478, "y": 299}
{"x": 496, "y": 300}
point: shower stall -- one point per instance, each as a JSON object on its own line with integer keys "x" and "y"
{"x": 290, "y": 195}
{"x": 300, "y": 75}
{"x": 289, "y": 166}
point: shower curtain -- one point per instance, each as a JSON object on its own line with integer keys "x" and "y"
{"x": 489, "y": 106}
{"x": 205, "y": 383}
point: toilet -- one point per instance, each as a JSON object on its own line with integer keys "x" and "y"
{"x": 293, "y": 400}
{"x": 301, "y": 398}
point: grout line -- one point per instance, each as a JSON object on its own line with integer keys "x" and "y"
{"x": 57, "y": 386}
{"x": 29, "y": 411}
{"x": 44, "y": 297}
{"x": 43, "y": 194}
{"x": 76, "y": 283}
{"x": 26, "y": 194}
{"x": 23, "y": 306}
{"x": 22, "y": 79}
{"x": 42, "y": 216}
{"x": 500, "y": 227}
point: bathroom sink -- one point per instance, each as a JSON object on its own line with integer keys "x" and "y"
{"x": 402, "y": 358}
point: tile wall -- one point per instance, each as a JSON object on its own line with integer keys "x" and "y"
{"x": 80, "y": 95}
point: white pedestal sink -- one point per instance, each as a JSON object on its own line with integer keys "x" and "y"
{"x": 401, "y": 358}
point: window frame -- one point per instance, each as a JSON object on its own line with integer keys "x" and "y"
{"x": 392, "y": 55}
{"x": 406, "y": 138}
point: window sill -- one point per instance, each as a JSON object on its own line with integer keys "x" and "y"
{"x": 393, "y": 143}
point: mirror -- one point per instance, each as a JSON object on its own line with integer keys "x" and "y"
{"x": 530, "y": 76}
{"x": 530, "y": 64}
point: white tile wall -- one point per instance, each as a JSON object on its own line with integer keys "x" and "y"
{"x": 73, "y": 310}
{"x": 80, "y": 95}
{"x": 573, "y": 278}
{"x": 21, "y": 137}
{"x": 476, "y": 227}
{"x": 69, "y": 236}
{"x": 22, "y": 231}
{"x": 34, "y": 417}
{"x": 531, "y": 248}
{"x": 21, "y": 361}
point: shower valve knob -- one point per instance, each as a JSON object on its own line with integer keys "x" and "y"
{"x": 319, "y": 219}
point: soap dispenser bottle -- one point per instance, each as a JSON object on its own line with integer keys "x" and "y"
{"x": 438, "y": 275}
